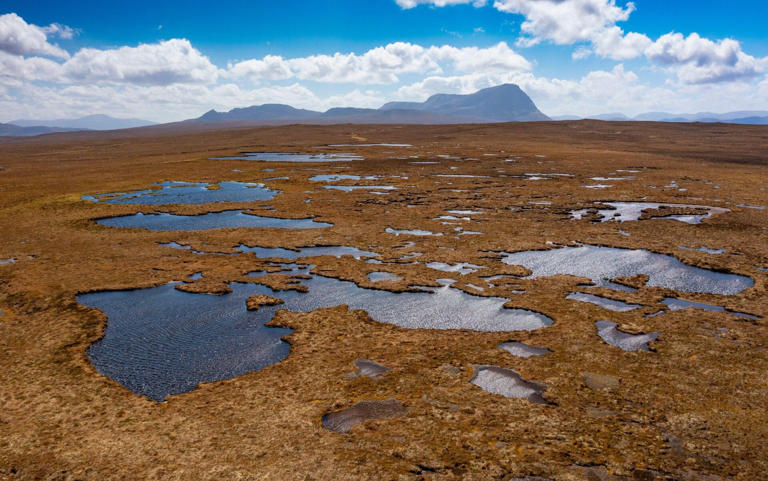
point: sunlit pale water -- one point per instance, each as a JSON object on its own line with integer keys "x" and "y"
{"x": 605, "y": 303}
{"x": 632, "y": 211}
{"x": 520, "y": 349}
{"x": 609, "y": 332}
{"x": 383, "y": 276}
{"x": 507, "y": 383}
{"x": 601, "y": 264}
{"x": 462, "y": 268}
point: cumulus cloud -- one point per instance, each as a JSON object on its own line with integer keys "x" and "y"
{"x": 18, "y": 37}
{"x": 381, "y": 65}
{"x": 599, "y": 92}
{"x": 693, "y": 59}
{"x": 15, "y": 69}
{"x": 163, "y": 63}
{"x": 698, "y": 60}
{"x": 164, "y": 102}
{"x": 171, "y": 80}
{"x": 565, "y": 22}
{"x": 613, "y": 43}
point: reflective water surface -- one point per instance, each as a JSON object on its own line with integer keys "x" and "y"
{"x": 173, "y": 192}
{"x": 228, "y": 219}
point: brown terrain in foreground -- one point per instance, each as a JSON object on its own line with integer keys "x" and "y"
{"x": 693, "y": 409}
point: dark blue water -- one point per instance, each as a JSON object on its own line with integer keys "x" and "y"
{"x": 228, "y": 219}
{"x": 171, "y": 192}
{"x": 163, "y": 341}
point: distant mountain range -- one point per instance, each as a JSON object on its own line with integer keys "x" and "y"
{"x": 752, "y": 117}
{"x": 90, "y": 122}
{"x": 503, "y": 103}
{"x": 11, "y": 130}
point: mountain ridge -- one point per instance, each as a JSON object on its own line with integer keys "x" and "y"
{"x": 12, "y": 130}
{"x": 502, "y": 103}
{"x": 88, "y": 122}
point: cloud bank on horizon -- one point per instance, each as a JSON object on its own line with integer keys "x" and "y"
{"x": 172, "y": 79}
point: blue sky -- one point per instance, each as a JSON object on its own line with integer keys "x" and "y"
{"x": 172, "y": 60}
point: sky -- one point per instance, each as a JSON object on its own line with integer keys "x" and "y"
{"x": 173, "y": 60}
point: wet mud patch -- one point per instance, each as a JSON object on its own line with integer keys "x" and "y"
{"x": 343, "y": 421}
{"x": 520, "y": 349}
{"x": 368, "y": 368}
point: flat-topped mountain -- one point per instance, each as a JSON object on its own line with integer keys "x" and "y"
{"x": 504, "y": 103}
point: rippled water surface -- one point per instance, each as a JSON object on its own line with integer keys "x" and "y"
{"x": 163, "y": 341}
{"x": 600, "y": 264}
{"x": 172, "y": 192}
{"x": 213, "y": 220}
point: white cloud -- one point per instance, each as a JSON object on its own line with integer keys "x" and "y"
{"x": 15, "y": 69}
{"x": 61, "y": 31}
{"x": 565, "y": 21}
{"x": 163, "y": 103}
{"x": 693, "y": 59}
{"x": 438, "y": 3}
{"x": 381, "y": 65}
{"x": 698, "y": 60}
{"x": 613, "y": 43}
{"x": 17, "y": 37}
{"x": 473, "y": 59}
{"x": 172, "y": 80}
{"x": 602, "y": 91}
{"x": 271, "y": 67}
{"x": 169, "y": 62}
